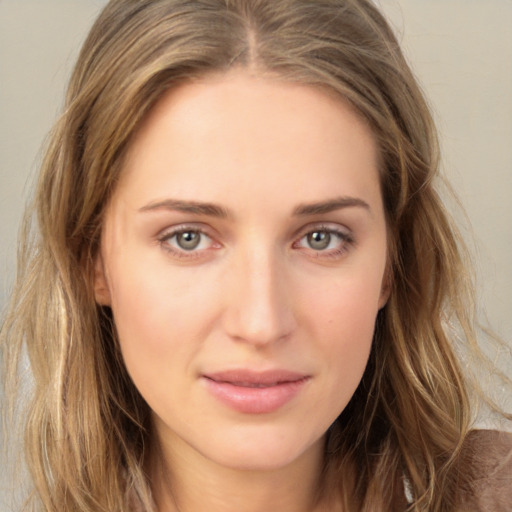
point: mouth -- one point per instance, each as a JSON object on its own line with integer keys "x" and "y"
{"x": 254, "y": 384}
{"x": 251, "y": 392}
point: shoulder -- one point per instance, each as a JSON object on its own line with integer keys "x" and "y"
{"x": 488, "y": 456}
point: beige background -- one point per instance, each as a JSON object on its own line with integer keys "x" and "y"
{"x": 460, "y": 49}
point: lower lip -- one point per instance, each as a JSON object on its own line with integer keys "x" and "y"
{"x": 255, "y": 400}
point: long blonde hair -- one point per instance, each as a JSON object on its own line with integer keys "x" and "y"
{"x": 87, "y": 427}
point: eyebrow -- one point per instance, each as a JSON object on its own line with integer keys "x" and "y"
{"x": 213, "y": 210}
{"x": 330, "y": 205}
{"x": 194, "y": 207}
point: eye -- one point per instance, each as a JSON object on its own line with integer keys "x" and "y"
{"x": 325, "y": 241}
{"x": 184, "y": 242}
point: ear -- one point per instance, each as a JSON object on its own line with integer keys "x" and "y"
{"x": 387, "y": 283}
{"x": 101, "y": 288}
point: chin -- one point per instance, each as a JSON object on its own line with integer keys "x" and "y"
{"x": 262, "y": 451}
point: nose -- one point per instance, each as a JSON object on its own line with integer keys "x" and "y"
{"x": 258, "y": 300}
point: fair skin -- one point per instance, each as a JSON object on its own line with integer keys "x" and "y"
{"x": 244, "y": 258}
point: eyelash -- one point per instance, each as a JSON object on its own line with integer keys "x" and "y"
{"x": 346, "y": 240}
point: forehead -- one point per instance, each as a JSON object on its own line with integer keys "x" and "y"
{"x": 244, "y": 131}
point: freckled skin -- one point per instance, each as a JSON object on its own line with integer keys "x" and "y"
{"x": 256, "y": 292}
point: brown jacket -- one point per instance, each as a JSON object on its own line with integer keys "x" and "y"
{"x": 489, "y": 455}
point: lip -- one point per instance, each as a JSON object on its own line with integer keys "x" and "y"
{"x": 253, "y": 392}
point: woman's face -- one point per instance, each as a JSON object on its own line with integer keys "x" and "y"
{"x": 243, "y": 256}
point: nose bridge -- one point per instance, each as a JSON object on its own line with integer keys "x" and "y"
{"x": 259, "y": 310}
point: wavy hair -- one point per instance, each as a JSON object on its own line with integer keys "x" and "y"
{"x": 87, "y": 430}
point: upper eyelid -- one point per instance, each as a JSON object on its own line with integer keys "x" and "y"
{"x": 344, "y": 237}
{"x": 332, "y": 227}
{"x": 184, "y": 227}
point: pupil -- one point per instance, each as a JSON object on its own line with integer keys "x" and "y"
{"x": 188, "y": 240}
{"x": 319, "y": 240}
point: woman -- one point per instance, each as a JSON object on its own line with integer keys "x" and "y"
{"x": 245, "y": 290}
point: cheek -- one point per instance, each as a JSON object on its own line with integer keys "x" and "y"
{"x": 347, "y": 307}
{"x": 351, "y": 334}
{"x": 342, "y": 320}
{"x": 156, "y": 318}
{"x": 151, "y": 301}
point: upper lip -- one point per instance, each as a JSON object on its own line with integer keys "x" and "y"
{"x": 255, "y": 378}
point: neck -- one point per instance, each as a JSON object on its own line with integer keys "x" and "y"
{"x": 185, "y": 481}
